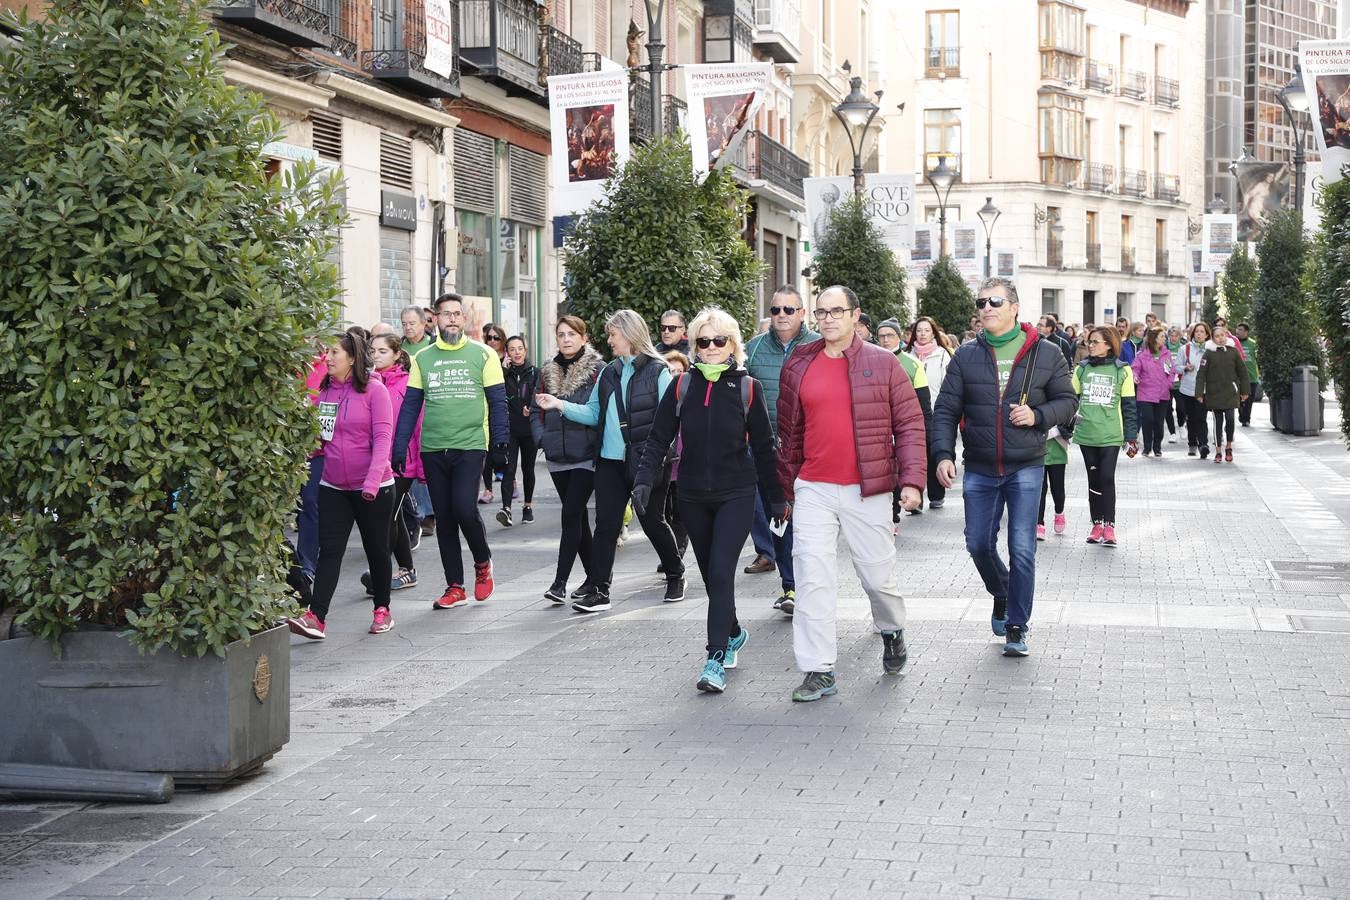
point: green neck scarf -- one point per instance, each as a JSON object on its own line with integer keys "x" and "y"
{"x": 999, "y": 340}
{"x": 711, "y": 372}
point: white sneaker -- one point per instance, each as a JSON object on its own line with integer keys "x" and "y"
{"x": 623, "y": 536}
{"x": 1172, "y": 438}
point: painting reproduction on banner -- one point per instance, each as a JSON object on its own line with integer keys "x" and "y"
{"x": 1326, "y": 76}
{"x": 723, "y": 100}
{"x": 588, "y": 117}
{"x": 1262, "y": 189}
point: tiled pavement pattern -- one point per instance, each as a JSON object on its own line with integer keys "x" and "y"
{"x": 1181, "y": 729}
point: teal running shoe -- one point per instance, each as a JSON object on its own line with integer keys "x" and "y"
{"x": 713, "y": 679}
{"x": 733, "y": 646}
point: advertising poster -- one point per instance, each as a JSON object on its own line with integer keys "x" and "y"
{"x": 1196, "y": 272}
{"x": 822, "y": 196}
{"x": 440, "y": 57}
{"x": 1217, "y": 236}
{"x": 723, "y": 100}
{"x": 1326, "y": 76}
{"x": 967, "y": 249}
{"x": 1262, "y": 189}
{"x": 1004, "y": 263}
{"x": 924, "y": 251}
{"x": 888, "y": 199}
{"x": 588, "y": 123}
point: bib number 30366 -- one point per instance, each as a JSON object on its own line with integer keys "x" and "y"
{"x": 327, "y": 420}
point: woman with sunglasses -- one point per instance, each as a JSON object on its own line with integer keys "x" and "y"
{"x": 719, "y": 416}
{"x": 522, "y": 383}
{"x": 495, "y": 338}
{"x": 1107, "y": 418}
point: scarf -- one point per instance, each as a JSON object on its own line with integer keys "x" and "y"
{"x": 565, "y": 362}
{"x": 998, "y": 340}
{"x": 921, "y": 350}
{"x": 712, "y": 372}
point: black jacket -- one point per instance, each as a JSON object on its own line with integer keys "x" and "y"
{"x": 993, "y": 445}
{"x": 640, "y": 404}
{"x": 521, "y": 386}
{"x": 715, "y": 428}
{"x": 663, "y": 348}
{"x": 563, "y": 441}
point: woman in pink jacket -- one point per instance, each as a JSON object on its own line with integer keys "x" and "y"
{"x": 391, "y": 367}
{"x": 356, "y": 426}
{"x": 1153, "y": 376}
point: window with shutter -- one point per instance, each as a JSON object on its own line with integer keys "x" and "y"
{"x": 475, "y": 172}
{"x": 327, "y": 135}
{"x": 396, "y": 168}
{"x": 527, "y": 195}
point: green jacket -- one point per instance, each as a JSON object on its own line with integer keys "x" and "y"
{"x": 764, "y": 358}
{"x": 1249, "y": 348}
{"x": 1222, "y": 379}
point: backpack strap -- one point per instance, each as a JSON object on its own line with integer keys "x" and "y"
{"x": 747, "y": 393}
{"x": 681, "y": 393}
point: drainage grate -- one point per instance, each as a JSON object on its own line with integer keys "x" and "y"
{"x": 1311, "y": 570}
{"x": 1320, "y": 623}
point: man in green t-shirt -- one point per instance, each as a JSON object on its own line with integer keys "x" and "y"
{"x": 416, "y": 335}
{"x": 1248, "y": 344}
{"x": 457, "y": 389}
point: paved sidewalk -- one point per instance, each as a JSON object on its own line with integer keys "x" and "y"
{"x": 1181, "y": 729}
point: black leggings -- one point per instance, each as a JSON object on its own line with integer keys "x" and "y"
{"x": 452, "y": 482}
{"x": 717, "y": 532}
{"x": 673, "y": 518}
{"x": 574, "y": 488}
{"x": 338, "y": 510}
{"x": 1101, "y": 473}
{"x": 1223, "y": 424}
{"x": 526, "y": 449}
{"x": 1151, "y": 424}
{"x": 487, "y": 474}
{"x": 399, "y": 540}
{"x": 1053, "y": 482}
{"x": 612, "y": 490}
{"x": 1197, "y": 432}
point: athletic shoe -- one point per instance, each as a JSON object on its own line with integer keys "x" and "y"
{"x": 935, "y": 504}
{"x": 306, "y": 625}
{"x": 429, "y": 526}
{"x": 1096, "y": 534}
{"x": 1172, "y": 438}
{"x": 556, "y": 594}
{"x": 734, "y": 645}
{"x": 415, "y": 538}
{"x": 1040, "y": 532}
{"x": 1109, "y": 534}
{"x": 586, "y": 588}
{"x": 594, "y": 602}
{"x": 382, "y": 622}
{"x": 405, "y": 579}
{"x": 1060, "y": 523}
{"x": 485, "y": 498}
{"x": 1218, "y": 456}
{"x": 1228, "y": 454}
{"x": 815, "y": 686}
{"x": 1204, "y": 452}
{"x": 365, "y": 583}
{"x": 453, "y": 596}
{"x": 1190, "y": 451}
{"x": 1147, "y": 454}
{"x": 504, "y": 517}
{"x": 623, "y": 537}
{"x": 674, "y": 589}
{"x": 999, "y": 625}
{"x": 482, "y": 580}
{"x": 916, "y": 511}
{"x": 713, "y": 678}
{"x": 1016, "y": 643}
{"x": 786, "y": 602}
{"x": 894, "y": 653}
{"x": 526, "y": 515}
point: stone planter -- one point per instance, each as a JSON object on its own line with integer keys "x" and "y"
{"x": 97, "y": 702}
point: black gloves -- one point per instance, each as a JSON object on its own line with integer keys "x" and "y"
{"x": 398, "y": 459}
{"x": 497, "y": 457}
{"x": 642, "y": 495}
{"x": 778, "y": 511}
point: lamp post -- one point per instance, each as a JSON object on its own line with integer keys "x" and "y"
{"x": 942, "y": 178}
{"x": 988, "y": 214}
{"x": 1292, "y": 97}
{"x": 656, "y": 13}
{"x": 855, "y": 112}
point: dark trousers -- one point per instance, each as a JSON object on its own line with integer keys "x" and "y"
{"x": 487, "y": 473}
{"x": 307, "y": 519}
{"x": 1179, "y": 401}
{"x": 1053, "y": 483}
{"x": 1197, "y": 432}
{"x": 717, "y": 532}
{"x": 452, "y": 481}
{"x": 760, "y": 533}
{"x": 782, "y": 545}
{"x": 1223, "y": 424}
{"x": 574, "y": 488}
{"x": 935, "y": 489}
{"x": 1151, "y": 420}
{"x": 400, "y": 542}
{"x": 612, "y": 490}
{"x": 1101, "y": 473}
{"x": 673, "y": 518}
{"x": 338, "y": 510}
{"x": 1245, "y": 410}
{"x": 526, "y": 450}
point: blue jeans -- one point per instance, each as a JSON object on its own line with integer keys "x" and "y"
{"x": 985, "y": 498}
{"x": 760, "y": 533}
{"x": 422, "y": 499}
{"x": 307, "y": 520}
{"x": 782, "y": 546}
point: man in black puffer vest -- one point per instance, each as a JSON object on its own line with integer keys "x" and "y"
{"x": 1010, "y": 387}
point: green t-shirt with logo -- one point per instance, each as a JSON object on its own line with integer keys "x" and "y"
{"x": 414, "y": 349}
{"x": 452, "y": 378}
{"x": 1006, "y": 347}
{"x": 1100, "y": 389}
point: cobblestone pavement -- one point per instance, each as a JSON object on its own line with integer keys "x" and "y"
{"x": 1182, "y": 729}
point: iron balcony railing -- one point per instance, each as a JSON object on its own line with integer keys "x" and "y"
{"x": 640, "y": 110}
{"x": 1133, "y": 83}
{"x": 590, "y": 61}
{"x": 398, "y": 53}
{"x": 500, "y": 40}
{"x": 1161, "y": 262}
{"x": 1094, "y": 257}
{"x": 1167, "y": 187}
{"x": 1127, "y": 260}
{"x": 673, "y": 112}
{"x": 1167, "y": 92}
{"x": 777, "y": 165}
{"x": 942, "y": 62}
{"x": 562, "y": 55}
{"x": 342, "y": 23}
{"x": 1054, "y": 253}
{"x": 1100, "y": 76}
{"x": 296, "y": 23}
{"x": 1099, "y": 177}
{"x": 1134, "y": 182}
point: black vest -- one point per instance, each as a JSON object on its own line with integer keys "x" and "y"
{"x": 640, "y": 404}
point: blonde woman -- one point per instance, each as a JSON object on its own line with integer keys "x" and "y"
{"x": 718, "y": 413}
{"x": 629, "y": 390}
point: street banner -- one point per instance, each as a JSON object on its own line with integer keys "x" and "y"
{"x": 588, "y": 122}
{"x": 1262, "y": 189}
{"x": 1196, "y": 271}
{"x": 1217, "y": 236}
{"x": 723, "y": 100}
{"x": 440, "y": 22}
{"x": 822, "y": 196}
{"x": 887, "y": 199}
{"x": 1004, "y": 263}
{"x": 1326, "y": 77}
{"x": 966, "y": 249}
{"x": 923, "y": 253}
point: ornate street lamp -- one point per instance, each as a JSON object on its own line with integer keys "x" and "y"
{"x": 855, "y": 112}
{"x": 988, "y": 214}
{"x": 656, "y": 13}
{"x": 1293, "y": 96}
{"x": 942, "y": 178}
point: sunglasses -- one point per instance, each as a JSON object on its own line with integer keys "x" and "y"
{"x": 782, "y": 310}
{"x": 671, "y": 327}
{"x": 995, "y": 302}
{"x": 719, "y": 341}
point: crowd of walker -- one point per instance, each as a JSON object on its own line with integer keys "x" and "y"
{"x": 793, "y": 439}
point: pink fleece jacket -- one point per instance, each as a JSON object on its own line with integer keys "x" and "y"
{"x": 395, "y": 378}
{"x": 357, "y": 453}
{"x": 1152, "y": 376}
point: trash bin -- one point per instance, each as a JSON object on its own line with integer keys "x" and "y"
{"x": 1306, "y": 418}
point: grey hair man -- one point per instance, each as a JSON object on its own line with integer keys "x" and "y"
{"x": 674, "y": 333}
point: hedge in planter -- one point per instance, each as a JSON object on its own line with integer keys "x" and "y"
{"x": 852, "y": 253}
{"x": 1331, "y": 284}
{"x": 1281, "y": 314}
{"x": 157, "y": 296}
{"x": 1238, "y": 286}
{"x": 946, "y": 297}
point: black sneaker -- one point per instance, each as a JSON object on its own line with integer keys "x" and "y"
{"x": 557, "y": 593}
{"x": 894, "y": 653}
{"x": 935, "y": 504}
{"x": 594, "y": 602}
{"x": 1204, "y": 452}
{"x": 526, "y": 515}
{"x": 504, "y": 516}
{"x": 815, "y": 686}
{"x": 586, "y": 588}
{"x": 674, "y": 589}
{"x": 365, "y": 583}
{"x": 415, "y": 538}
{"x": 1016, "y": 642}
{"x": 786, "y": 602}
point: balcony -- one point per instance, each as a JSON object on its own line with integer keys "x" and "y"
{"x": 1167, "y": 92}
{"x": 942, "y": 62}
{"x": 1127, "y": 260}
{"x": 562, "y": 56}
{"x": 1161, "y": 262}
{"x": 776, "y": 164}
{"x": 641, "y": 110}
{"x": 342, "y": 24}
{"x": 1167, "y": 187}
{"x": 1054, "y": 253}
{"x": 1101, "y": 77}
{"x": 499, "y": 42}
{"x": 1133, "y": 183}
{"x": 295, "y": 23}
{"x": 1100, "y": 178}
{"x": 399, "y": 55}
{"x": 778, "y": 26}
{"x": 1094, "y": 257}
{"x": 1133, "y": 84}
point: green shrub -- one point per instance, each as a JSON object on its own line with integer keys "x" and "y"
{"x": 1238, "y": 286}
{"x": 853, "y": 254}
{"x": 157, "y": 297}
{"x": 1281, "y": 315}
{"x": 1331, "y": 284}
{"x": 660, "y": 240}
{"x": 946, "y": 297}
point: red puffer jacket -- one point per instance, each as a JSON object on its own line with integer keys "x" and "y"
{"x": 887, "y": 419}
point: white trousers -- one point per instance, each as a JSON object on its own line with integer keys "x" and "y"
{"x": 819, "y": 513}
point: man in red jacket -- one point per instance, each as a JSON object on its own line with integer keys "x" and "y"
{"x": 851, "y": 430}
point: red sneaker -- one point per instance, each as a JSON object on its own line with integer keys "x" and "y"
{"x": 482, "y": 580}
{"x": 453, "y": 596}
{"x": 1228, "y": 454}
{"x": 307, "y": 625}
{"x": 1098, "y": 532}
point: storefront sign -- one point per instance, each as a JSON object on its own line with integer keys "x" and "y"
{"x": 398, "y": 210}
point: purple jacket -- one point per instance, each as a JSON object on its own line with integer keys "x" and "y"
{"x": 359, "y": 431}
{"x": 1152, "y": 376}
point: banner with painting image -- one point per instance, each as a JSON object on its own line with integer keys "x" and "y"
{"x": 723, "y": 100}
{"x": 1263, "y": 188}
{"x": 1326, "y": 78}
{"x": 588, "y": 121}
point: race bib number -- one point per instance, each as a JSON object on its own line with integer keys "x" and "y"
{"x": 1099, "y": 390}
{"x": 327, "y": 420}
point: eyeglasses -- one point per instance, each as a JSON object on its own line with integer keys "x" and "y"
{"x": 671, "y": 327}
{"x": 834, "y": 312}
{"x": 1098, "y": 341}
{"x": 995, "y": 302}
{"x": 719, "y": 341}
{"x": 494, "y": 338}
{"x": 782, "y": 310}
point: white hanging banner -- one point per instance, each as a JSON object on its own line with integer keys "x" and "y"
{"x": 440, "y": 56}
{"x": 822, "y": 196}
{"x": 1217, "y": 237}
{"x": 1004, "y": 263}
{"x": 1326, "y": 78}
{"x": 888, "y": 200}
{"x": 723, "y": 100}
{"x": 1196, "y": 271}
{"x": 923, "y": 253}
{"x": 967, "y": 250}
{"x": 588, "y": 123}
